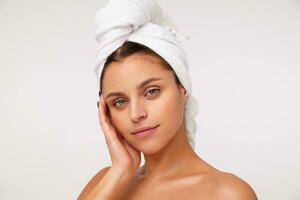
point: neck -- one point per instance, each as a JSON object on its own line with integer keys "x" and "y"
{"x": 172, "y": 159}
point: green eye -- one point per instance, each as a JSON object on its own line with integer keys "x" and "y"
{"x": 153, "y": 93}
{"x": 116, "y": 102}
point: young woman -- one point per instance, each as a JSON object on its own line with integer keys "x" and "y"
{"x": 144, "y": 109}
{"x": 139, "y": 89}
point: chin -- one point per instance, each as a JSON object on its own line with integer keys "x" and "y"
{"x": 149, "y": 151}
{"x": 148, "y": 148}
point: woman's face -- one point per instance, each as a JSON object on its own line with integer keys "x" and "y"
{"x": 159, "y": 102}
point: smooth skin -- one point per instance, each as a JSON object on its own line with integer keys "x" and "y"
{"x": 172, "y": 169}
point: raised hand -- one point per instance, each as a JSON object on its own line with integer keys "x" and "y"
{"x": 124, "y": 157}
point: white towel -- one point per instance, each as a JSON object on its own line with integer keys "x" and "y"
{"x": 144, "y": 22}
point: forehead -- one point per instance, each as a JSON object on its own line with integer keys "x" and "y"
{"x": 133, "y": 70}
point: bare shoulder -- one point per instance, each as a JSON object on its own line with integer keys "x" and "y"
{"x": 97, "y": 177}
{"x": 91, "y": 184}
{"x": 231, "y": 187}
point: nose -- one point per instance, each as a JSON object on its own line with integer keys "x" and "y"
{"x": 137, "y": 111}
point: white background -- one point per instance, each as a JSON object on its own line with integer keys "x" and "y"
{"x": 244, "y": 59}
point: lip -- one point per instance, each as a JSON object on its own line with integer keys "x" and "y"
{"x": 145, "y": 131}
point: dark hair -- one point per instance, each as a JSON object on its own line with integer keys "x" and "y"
{"x": 129, "y": 48}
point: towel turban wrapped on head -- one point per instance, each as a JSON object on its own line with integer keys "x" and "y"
{"x": 143, "y": 22}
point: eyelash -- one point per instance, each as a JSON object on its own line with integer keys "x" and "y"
{"x": 154, "y": 89}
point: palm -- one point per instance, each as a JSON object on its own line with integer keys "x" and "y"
{"x": 122, "y": 154}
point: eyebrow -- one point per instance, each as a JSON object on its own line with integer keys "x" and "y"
{"x": 144, "y": 83}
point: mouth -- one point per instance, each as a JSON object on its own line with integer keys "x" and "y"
{"x": 147, "y": 131}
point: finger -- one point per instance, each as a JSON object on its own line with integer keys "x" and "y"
{"x": 105, "y": 112}
{"x": 103, "y": 118}
{"x": 109, "y": 130}
{"x": 100, "y": 112}
{"x": 134, "y": 153}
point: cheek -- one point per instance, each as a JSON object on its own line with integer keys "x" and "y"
{"x": 168, "y": 108}
{"x": 118, "y": 120}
